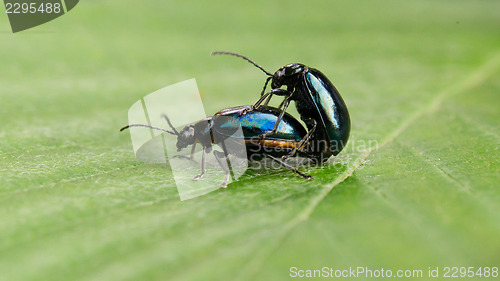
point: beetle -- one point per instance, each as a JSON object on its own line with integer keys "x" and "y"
{"x": 290, "y": 136}
{"x": 318, "y": 102}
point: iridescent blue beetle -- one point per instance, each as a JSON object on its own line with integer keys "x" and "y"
{"x": 318, "y": 102}
{"x": 290, "y": 139}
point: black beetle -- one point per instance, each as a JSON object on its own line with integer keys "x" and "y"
{"x": 318, "y": 102}
{"x": 290, "y": 137}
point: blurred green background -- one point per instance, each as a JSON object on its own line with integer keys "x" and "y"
{"x": 421, "y": 78}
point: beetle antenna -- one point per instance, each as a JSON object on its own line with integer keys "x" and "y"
{"x": 243, "y": 57}
{"x": 170, "y": 124}
{"x": 148, "y": 126}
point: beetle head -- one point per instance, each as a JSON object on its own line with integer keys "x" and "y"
{"x": 287, "y": 75}
{"x": 186, "y": 137}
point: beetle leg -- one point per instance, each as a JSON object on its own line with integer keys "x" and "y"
{"x": 262, "y": 98}
{"x": 268, "y": 100}
{"x": 286, "y": 103}
{"x": 265, "y": 85}
{"x": 278, "y": 121}
{"x": 281, "y": 104}
{"x": 219, "y": 156}
{"x": 300, "y": 146}
{"x": 202, "y": 167}
{"x": 278, "y": 92}
{"x": 289, "y": 167}
{"x": 191, "y": 156}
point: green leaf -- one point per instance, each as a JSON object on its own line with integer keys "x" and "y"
{"x": 417, "y": 186}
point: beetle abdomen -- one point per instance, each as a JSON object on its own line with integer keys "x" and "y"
{"x": 331, "y": 109}
{"x": 257, "y": 122}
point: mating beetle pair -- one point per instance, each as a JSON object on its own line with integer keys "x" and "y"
{"x": 317, "y": 101}
{"x": 271, "y": 132}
